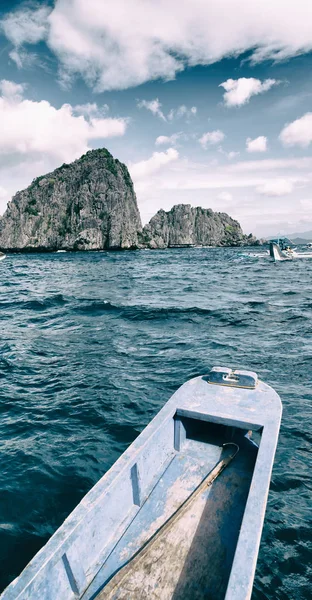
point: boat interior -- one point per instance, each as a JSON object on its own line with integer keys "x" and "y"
{"x": 192, "y": 558}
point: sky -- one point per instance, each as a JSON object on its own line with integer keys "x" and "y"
{"x": 208, "y": 102}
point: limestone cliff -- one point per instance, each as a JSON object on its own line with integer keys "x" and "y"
{"x": 89, "y": 204}
{"x": 185, "y": 225}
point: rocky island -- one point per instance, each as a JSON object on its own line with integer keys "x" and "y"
{"x": 90, "y": 204}
{"x": 185, "y": 225}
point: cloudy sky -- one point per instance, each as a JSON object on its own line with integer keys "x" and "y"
{"x": 208, "y": 102}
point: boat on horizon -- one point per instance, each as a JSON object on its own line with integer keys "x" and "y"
{"x": 180, "y": 514}
{"x": 2, "y": 255}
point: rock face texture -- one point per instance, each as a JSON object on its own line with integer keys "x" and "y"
{"x": 185, "y": 225}
{"x": 89, "y": 204}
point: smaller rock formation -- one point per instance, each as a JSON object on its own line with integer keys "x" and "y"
{"x": 185, "y": 225}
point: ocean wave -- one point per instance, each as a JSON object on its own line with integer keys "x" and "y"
{"x": 140, "y": 312}
{"x": 147, "y": 313}
{"x": 36, "y": 304}
{"x": 90, "y": 352}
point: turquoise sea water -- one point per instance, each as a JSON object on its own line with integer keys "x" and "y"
{"x": 93, "y": 344}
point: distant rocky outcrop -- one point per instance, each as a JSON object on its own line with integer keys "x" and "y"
{"x": 185, "y": 225}
{"x": 89, "y": 204}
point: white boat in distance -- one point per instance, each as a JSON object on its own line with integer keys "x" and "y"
{"x": 288, "y": 254}
{"x": 2, "y": 255}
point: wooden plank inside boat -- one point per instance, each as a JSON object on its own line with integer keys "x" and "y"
{"x": 192, "y": 556}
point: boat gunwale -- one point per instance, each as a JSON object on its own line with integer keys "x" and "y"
{"x": 268, "y": 421}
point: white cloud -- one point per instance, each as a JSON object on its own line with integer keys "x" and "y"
{"x": 36, "y": 137}
{"x": 167, "y": 139}
{"x": 106, "y": 128}
{"x": 11, "y": 90}
{"x": 188, "y": 175}
{"x": 274, "y": 164}
{"x": 233, "y": 154}
{"x": 145, "y": 168}
{"x": 211, "y": 138}
{"x": 298, "y": 133}
{"x": 91, "y": 109}
{"x": 23, "y": 59}
{"x": 205, "y": 183}
{"x": 37, "y": 128}
{"x": 306, "y": 204}
{"x": 225, "y": 197}
{"x": 239, "y": 91}
{"x": 182, "y": 111}
{"x": 3, "y": 192}
{"x": 230, "y": 155}
{"x": 26, "y": 25}
{"x": 115, "y": 44}
{"x": 276, "y": 187}
{"x": 154, "y": 106}
{"x": 5, "y": 196}
{"x": 259, "y": 144}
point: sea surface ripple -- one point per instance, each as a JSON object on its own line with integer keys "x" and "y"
{"x": 93, "y": 344}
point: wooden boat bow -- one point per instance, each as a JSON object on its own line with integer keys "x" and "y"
{"x": 154, "y": 527}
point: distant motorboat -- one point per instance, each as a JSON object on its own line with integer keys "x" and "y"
{"x": 2, "y": 255}
{"x": 278, "y": 254}
{"x": 60, "y": 251}
{"x": 283, "y": 243}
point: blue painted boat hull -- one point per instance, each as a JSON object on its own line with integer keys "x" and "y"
{"x": 115, "y": 545}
